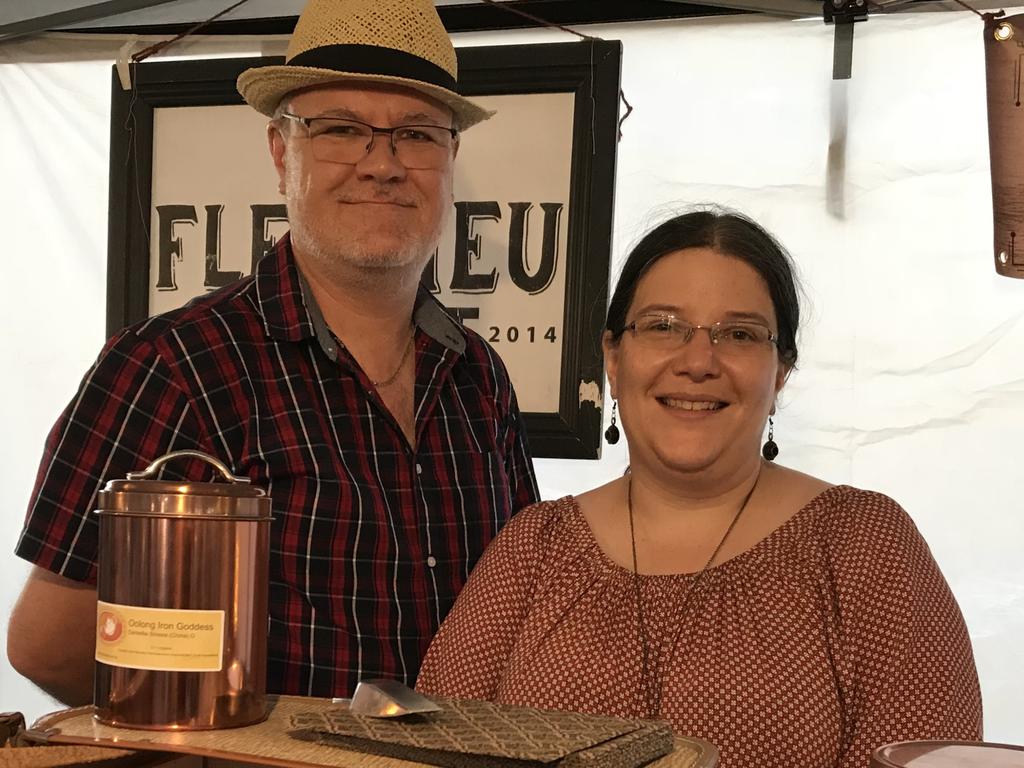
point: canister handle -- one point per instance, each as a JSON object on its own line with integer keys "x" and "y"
{"x": 153, "y": 468}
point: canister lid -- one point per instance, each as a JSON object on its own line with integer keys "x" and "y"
{"x": 139, "y": 494}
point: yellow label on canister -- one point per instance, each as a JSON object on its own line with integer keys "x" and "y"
{"x": 163, "y": 639}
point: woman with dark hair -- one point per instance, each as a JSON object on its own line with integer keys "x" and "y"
{"x": 788, "y": 621}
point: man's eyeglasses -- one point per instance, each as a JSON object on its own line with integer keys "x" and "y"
{"x": 669, "y": 333}
{"x": 340, "y": 140}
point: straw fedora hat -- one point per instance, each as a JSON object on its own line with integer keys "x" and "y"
{"x": 390, "y": 41}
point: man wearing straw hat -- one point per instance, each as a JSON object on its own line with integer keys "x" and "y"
{"x": 387, "y": 434}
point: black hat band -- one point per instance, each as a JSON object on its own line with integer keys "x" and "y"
{"x": 374, "y": 60}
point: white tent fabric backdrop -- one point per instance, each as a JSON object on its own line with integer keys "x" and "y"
{"x": 912, "y": 373}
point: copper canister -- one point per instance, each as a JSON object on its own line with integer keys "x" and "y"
{"x": 181, "y": 622}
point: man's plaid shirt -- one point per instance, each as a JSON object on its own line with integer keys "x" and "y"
{"x": 372, "y": 539}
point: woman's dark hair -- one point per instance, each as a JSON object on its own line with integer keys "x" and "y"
{"x": 731, "y": 234}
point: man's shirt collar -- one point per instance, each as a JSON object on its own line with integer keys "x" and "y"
{"x": 290, "y": 310}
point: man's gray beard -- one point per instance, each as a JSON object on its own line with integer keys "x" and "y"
{"x": 335, "y": 256}
{"x": 330, "y": 256}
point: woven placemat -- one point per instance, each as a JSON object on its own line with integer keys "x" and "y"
{"x": 467, "y": 733}
{"x": 269, "y": 743}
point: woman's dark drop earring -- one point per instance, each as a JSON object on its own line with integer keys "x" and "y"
{"x": 612, "y": 433}
{"x": 770, "y": 450}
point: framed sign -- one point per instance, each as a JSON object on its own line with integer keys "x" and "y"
{"x": 524, "y": 258}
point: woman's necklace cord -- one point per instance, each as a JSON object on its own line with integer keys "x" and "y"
{"x": 652, "y": 689}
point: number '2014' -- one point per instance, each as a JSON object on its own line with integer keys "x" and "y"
{"x": 512, "y": 335}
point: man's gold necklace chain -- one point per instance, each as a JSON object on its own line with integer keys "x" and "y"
{"x": 401, "y": 364}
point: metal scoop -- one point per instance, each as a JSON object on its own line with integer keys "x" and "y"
{"x": 388, "y": 698}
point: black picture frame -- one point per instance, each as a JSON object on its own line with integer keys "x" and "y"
{"x": 589, "y": 69}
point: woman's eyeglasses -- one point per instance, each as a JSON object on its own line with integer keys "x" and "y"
{"x": 668, "y": 332}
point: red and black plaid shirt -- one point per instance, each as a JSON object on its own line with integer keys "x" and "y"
{"x": 372, "y": 539}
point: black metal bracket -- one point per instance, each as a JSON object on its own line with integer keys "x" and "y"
{"x": 843, "y": 13}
